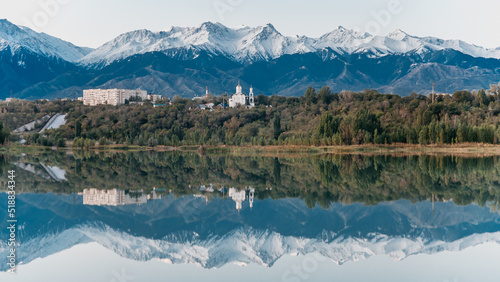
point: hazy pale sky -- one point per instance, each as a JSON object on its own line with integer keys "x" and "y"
{"x": 94, "y": 22}
{"x": 92, "y": 262}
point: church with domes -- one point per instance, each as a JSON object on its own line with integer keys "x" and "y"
{"x": 240, "y": 99}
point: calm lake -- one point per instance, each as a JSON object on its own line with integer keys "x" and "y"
{"x": 163, "y": 216}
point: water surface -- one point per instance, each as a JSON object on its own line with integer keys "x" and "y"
{"x": 218, "y": 218}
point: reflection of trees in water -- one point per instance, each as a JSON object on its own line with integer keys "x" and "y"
{"x": 78, "y": 168}
{"x": 371, "y": 179}
{"x": 134, "y": 194}
{"x": 318, "y": 180}
{"x": 277, "y": 171}
{"x": 4, "y": 164}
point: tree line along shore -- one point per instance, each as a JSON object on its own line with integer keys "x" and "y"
{"x": 318, "y": 118}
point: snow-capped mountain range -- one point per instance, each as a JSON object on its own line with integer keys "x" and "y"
{"x": 242, "y": 247}
{"x": 211, "y": 235}
{"x": 185, "y": 60}
{"x": 246, "y": 44}
{"x": 243, "y": 44}
{"x": 17, "y": 37}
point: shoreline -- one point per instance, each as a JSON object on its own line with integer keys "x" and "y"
{"x": 471, "y": 150}
{"x": 393, "y": 149}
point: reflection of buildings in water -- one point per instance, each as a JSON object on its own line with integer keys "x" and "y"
{"x": 251, "y": 194}
{"x": 209, "y": 189}
{"x": 237, "y": 196}
{"x": 116, "y": 197}
{"x": 240, "y": 196}
{"x": 202, "y": 196}
{"x": 154, "y": 195}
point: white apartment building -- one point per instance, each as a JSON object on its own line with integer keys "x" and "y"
{"x": 114, "y": 197}
{"x": 154, "y": 98}
{"x": 115, "y": 97}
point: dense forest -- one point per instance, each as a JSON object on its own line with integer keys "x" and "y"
{"x": 319, "y": 117}
{"x": 4, "y": 134}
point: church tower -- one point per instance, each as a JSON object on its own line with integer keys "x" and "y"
{"x": 251, "y": 98}
{"x": 239, "y": 89}
{"x": 251, "y": 196}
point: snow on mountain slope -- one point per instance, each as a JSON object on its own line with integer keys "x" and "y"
{"x": 242, "y": 44}
{"x": 342, "y": 40}
{"x": 246, "y": 44}
{"x": 16, "y": 37}
{"x": 241, "y": 246}
{"x": 239, "y": 44}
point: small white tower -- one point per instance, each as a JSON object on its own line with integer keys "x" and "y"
{"x": 239, "y": 89}
{"x": 251, "y": 196}
{"x": 206, "y": 93}
{"x": 251, "y": 98}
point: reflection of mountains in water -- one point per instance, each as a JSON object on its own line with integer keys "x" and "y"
{"x": 188, "y": 230}
{"x": 245, "y": 246}
{"x": 46, "y": 172}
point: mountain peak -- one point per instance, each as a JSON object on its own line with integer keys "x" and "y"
{"x": 211, "y": 24}
{"x": 5, "y": 21}
{"x": 140, "y": 33}
{"x": 8, "y": 27}
{"x": 212, "y": 29}
{"x": 266, "y": 32}
{"x": 342, "y": 29}
{"x": 398, "y": 34}
{"x": 19, "y": 37}
{"x": 342, "y": 35}
{"x": 269, "y": 28}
